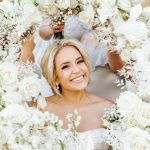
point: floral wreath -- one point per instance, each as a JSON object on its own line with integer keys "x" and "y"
{"x": 123, "y": 26}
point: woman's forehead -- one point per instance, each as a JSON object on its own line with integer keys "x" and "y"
{"x": 68, "y": 53}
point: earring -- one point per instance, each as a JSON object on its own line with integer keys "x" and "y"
{"x": 57, "y": 86}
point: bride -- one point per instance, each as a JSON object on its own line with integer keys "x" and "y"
{"x": 66, "y": 67}
{"x": 73, "y": 28}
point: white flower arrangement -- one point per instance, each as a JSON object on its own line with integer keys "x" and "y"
{"x": 128, "y": 121}
{"x": 29, "y": 128}
{"x": 19, "y": 84}
{"x": 16, "y": 25}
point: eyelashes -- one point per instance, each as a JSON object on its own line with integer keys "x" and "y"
{"x": 64, "y": 67}
{"x": 67, "y": 66}
{"x": 80, "y": 61}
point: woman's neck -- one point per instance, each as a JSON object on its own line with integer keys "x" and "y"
{"x": 74, "y": 97}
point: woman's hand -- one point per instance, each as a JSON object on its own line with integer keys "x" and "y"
{"x": 46, "y": 30}
{"x": 27, "y": 49}
{"x": 115, "y": 61}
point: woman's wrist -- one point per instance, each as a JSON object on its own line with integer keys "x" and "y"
{"x": 46, "y": 32}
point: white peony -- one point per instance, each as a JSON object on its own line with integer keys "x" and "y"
{"x": 12, "y": 98}
{"x": 124, "y": 4}
{"x": 128, "y": 103}
{"x": 143, "y": 116}
{"x": 30, "y": 87}
{"x": 136, "y": 139}
{"x": 8, "y": 73}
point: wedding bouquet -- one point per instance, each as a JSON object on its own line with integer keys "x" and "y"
{"x": 58, "y": 10}
{"x": 18, "y": 19}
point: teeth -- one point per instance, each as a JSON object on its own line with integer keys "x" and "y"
{"x": 78, "y": 79}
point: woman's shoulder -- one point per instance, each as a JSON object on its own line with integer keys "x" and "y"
{"x": 100, "y": 101}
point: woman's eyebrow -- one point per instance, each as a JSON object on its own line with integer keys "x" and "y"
{"x": 64, "y": 63}
{"x": 79, "y": 58}
{"x": 67, "y": 62}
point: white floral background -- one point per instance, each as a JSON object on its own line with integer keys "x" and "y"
{"x": 123, "y": 26}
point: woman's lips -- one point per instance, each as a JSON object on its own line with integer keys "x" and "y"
{"x": 78, "y": 79}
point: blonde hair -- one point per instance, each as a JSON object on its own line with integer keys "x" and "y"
{"x": 48, "y": 61}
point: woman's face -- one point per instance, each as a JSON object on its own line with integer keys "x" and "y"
{"x": 71, "y": 70}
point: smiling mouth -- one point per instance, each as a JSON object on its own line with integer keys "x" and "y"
{"x": 78, "y": 79}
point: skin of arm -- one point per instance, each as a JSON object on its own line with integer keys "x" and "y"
{"x": 115, "y": 61}
{"x": 46, "y": 31}
{"x": 27, "y": 49}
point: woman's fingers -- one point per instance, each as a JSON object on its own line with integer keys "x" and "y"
{"x": 59, "y": 28}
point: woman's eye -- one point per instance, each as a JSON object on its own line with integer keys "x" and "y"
{"x": 80, "y": 61}
{"x": 64, "y": 67}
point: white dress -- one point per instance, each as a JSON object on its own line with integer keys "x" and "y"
{"x": 97, "y": 138}
{"x": 73, "y": 29}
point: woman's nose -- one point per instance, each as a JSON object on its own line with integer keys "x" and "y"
{"x": 76, "y": 69}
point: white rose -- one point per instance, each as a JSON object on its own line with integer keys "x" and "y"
{"x": 63, "y": 4}
{"x": 136, "y": 139}
{"x": 73, "y": 3}
{"x": 15, "y": 113}
{"x": 30, "y": 87}
{"x": 52, "y": 9}
{"x": 143, "y": 117}
{"x": 129, "y": 30}
{"x": 128, "y": 103}
{"x": 3, "y": 136}
{"x": 31, "y": 14}
{"x": 86, "y": 17}
{"x": 8, "y": 73}
{"x": 12, "y": 98}
{"x": 124, "y": 4}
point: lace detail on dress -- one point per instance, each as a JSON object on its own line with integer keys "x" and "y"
{"x": 98, "y": 138}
